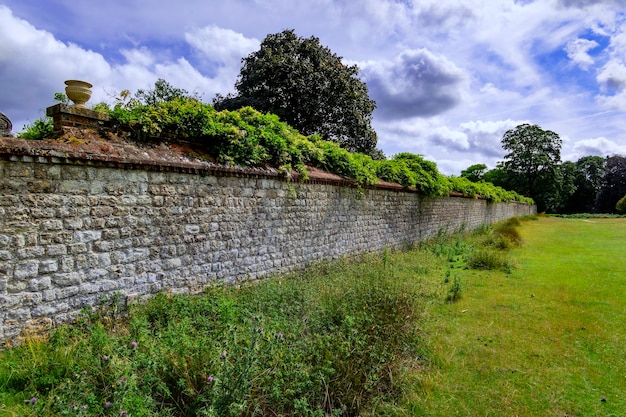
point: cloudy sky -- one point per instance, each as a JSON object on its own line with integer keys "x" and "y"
{"x": 449, "y": 76}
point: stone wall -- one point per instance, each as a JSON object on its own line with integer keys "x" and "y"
{"x": 74, "y": 231}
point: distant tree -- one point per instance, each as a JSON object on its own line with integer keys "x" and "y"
{"x": 613, "y": 184}
{"x": 532, "y": 163}
{"x": 162, "y": 92}
{"x": 498, "y": 176}
{"x": 564, "y": 187}
{"x": 474, "y": 172}
{"x": 308, "y": 87}
{"x": 588, "y": 177}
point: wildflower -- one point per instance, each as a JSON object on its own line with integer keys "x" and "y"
{"x": 280, "y": 335}
{"x": 84, "y": 407}
{"x": 85, "y": 372}
{"x": 32, "y": 400}
{"x": 107, "y": 404}
{"x": 105, "y": 358}
{"x": 260, "y": 329}
{"x": 210, "y": 378}
{"x": 123, "y": 413}
{"x": 133, "y": 344}
{"x": 223, "y": 355}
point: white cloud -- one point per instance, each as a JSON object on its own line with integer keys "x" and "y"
{"x": 33, "y": 65}
{"x": 450, "y": 139}
{"x": 416, "y": 83}
{"x": 612, "y": 77}
{"x": 577, "y": 50}
{"x": 485, "y": 137}
{"x": 223, "y": 46}
{"x": 142, "y": 56}
{"x": 598, "y": 146}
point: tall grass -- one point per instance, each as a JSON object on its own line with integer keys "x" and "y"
{"x": 330, "y": 341}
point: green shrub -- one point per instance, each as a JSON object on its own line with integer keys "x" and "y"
{"x": 488, "y": 259}
{"x": 40, "y": 129}
{"x": 621, "y": 205}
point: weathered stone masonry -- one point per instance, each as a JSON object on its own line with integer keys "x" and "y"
{"x": 74, "y": 230}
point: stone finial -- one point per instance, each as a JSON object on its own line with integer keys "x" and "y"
{"x": 5, "y": 126}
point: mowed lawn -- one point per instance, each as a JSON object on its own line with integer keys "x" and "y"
{"x": 548, "y": 339}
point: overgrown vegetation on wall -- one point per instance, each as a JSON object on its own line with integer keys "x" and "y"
{"x": 250, "y": 138}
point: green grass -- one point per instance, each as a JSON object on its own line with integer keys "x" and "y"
{"x": 412, "y": 333}
{"x": 547, "y": 339}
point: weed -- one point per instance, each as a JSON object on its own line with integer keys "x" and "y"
{"x": 488, "y": 259}
{"x": 455, "y": 290}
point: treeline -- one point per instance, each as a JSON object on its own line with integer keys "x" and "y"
{"x": 592, "y": 184}
{"x": 533, "y": 167}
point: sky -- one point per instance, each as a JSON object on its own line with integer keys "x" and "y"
{"x": 449, "y": 77}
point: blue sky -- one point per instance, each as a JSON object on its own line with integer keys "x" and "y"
{"x": 449, "y": 76}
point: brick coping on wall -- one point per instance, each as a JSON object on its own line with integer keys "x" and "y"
{"x": 95, "y": 151}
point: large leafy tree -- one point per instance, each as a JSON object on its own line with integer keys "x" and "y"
{"x": 588, "y": 176}
{"x": 564, "y": 187}
{"x": 613, "y": 185}
{"x": 309, "y": 87}
{"x": 163, "y": 92}
{"x": 498, "y": 176}
{"x": 532, "y": 162}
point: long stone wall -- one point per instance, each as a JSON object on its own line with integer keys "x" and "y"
{"x": 74, "y": 230}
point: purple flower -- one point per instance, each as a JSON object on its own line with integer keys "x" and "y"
{"x": 107, "y": 404}
{"x": 84, "y": 372}
{"x": 84, "y": 407}
{"x": 280, "y": 335}
{"x": 209, "y": 378}
{"x": 105, "y": 358}
{"x": 223, "y": 355}
{"x": 133, "y": 344}
{"x": 123, "y": 413}
{"x": 32, "y": 400}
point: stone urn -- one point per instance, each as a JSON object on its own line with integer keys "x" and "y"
{"x": 78, "y": 91}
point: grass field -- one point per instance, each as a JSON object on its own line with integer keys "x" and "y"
{"x": 548, "y": 339}
{"x": 396, "y": 334}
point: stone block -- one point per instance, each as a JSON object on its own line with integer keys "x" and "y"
{"x": 39, "y": 284}
{"x": 48, "y": 265}
{"x": 66, "y": 280}
{"x": 87, "y": 236}
{"x": 30, "y": 252}
{"x": 26, "y": 269}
